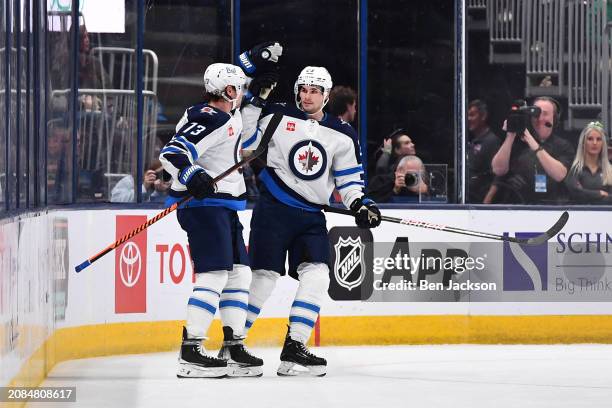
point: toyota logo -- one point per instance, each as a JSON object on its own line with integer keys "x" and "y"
{"x": 130, "y": 264}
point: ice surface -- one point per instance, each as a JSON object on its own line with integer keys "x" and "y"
{"x": 395, "y": 376}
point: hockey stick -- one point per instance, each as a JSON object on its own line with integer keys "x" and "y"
{"x": 537, "y": 240}
{"x": 263, "y": 146}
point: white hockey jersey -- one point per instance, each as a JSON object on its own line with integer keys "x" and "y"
{"x": 306, "y": 158}
{"x": 210, "y": 138}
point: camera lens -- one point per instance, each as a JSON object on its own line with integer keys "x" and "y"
{"x": 411, "y": 179}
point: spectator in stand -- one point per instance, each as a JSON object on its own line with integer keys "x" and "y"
{"x": 343, "y": 103}
{"x": 482, "y": 147}
{"x": 531, "y": 167}
{"x": 395, "y": 146}
{"x": 406, "y": 184}
{"x": 154, "y": 188}
{"x": 590, "y": 178}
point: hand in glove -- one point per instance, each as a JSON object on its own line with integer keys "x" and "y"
{"x": 199, "y": 184}
{"x": 261, "y": 57}
{"x": 367, "y": 214}
{"x": 263, "y": 84}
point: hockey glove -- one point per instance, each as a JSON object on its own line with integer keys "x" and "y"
{"x": 199, "y": 184}
{"x": 263, "y": 84}
{"x": 261, "y": 57}
{"x": 367, "y": 214}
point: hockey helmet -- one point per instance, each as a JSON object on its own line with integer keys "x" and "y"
{"x": 313, "y": 76}
{"x": 218, "y": 76}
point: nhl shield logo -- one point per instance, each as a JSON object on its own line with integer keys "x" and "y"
{"x": 349, "y": 268}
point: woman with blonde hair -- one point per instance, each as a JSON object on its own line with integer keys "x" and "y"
{"x": 590, "y": 177}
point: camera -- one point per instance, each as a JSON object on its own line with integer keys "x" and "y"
{"x": 520, "y": 116}
{"x": 411, "y": 179}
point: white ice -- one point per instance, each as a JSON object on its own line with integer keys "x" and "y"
{"x": 395, "y": 376}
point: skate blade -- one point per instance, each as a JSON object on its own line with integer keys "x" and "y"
{"x": 289, "y": 369}
{"x": 235, "y": 370}
{"x": 187, "y": 370}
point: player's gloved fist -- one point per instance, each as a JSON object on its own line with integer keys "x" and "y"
{"x": 261, "y": 57}
{"x": 263, "y": 84}
{"x": 199, "y": 184}
{"x": 367, "y": 214}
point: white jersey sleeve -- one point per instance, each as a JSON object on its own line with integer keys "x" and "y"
{"x": 348, "y": 171}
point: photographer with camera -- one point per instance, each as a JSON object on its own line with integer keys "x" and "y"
{"x": 406, "y": 184}
{"x": 154, "y": 188}
{"x": 532, "y": 161}
{"x": 395, "y": 146}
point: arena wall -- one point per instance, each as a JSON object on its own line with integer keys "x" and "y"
{"x": 133, "y": 300}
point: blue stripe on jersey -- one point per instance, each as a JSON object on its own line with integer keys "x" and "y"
{"x": 189, "y": 145}
{"x": 306, "y": 305}
{"x": 199, "y": 289}
{"x": 254, "y": 309}
{"x": 282, "y": 195}
{"x": 232, "y": 303}
{"x": 235, "y": 291}
{"x": 236, "y": 205}
{"x": 248, "y": 324}
{"x": 250, "y": 140}
{"x": 202, "y": 305}
{"x": 346, "y": 172}
{"x": 171, "y": 149}
{"x": 350, "y": 183}
{"x": 300, "y": 319}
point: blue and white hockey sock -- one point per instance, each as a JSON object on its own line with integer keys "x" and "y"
{"x": 312, "y": 290}
{"x": 262, "y": 285}
{"x": 203, "y": 302}
{"x": 234, "y": 299}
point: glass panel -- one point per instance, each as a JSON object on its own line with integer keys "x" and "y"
{"x": 176, "y": 56}
{"x": 59, "y": 119}
{"x": 528, "y": 50}
{"x": 26, "y": 105}
{"x": 411, "y": 72}
{"x": 3, "y": 95}
{"x": 13, "y": 136}
{"x": 301, "y": 36}
{"x": 107, "y": 97}
{"x": 41, "y": 83}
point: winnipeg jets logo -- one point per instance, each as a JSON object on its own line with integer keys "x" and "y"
{"x": 208, "y": 110}
{"x": 308, "y": 160}
{"x": 349, "y": 268}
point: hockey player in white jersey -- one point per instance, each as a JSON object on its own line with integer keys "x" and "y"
{"x": 207, "y": 142}
{"x": 310, "y": 154}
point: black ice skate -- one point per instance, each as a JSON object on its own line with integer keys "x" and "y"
{"x": 194, "y": 362}
{"x": 296, "y": 359}
{"x": 240, "y": 363}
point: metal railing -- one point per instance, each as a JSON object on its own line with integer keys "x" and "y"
{"x": 586, "y": 64}
{"x": 120, "y": 65}
{"x": 544, "y": 46}
{"x": 506, "y": 19}
{"x": 477, "y": 4}
{"x": 107, "y": 129}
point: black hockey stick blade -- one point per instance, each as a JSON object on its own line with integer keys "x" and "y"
{"x": 544, "y": 237}
{"x": 538, "y": 240}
